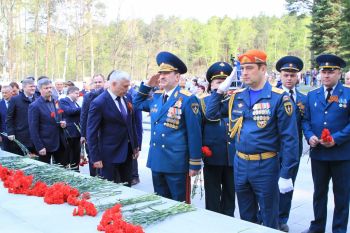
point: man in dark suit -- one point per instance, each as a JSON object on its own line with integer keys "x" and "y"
{"x": 17, "y": 116}
{"x": 46, "y": 124}
{"x": 71, "y": 114}
{"x": 98, "y": 82}
{"x": 111, "y": 130}
{"x": 6, "y": 92}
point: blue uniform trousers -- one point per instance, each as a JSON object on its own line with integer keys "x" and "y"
{"x": 256, "y": 182}
{"x": 322, "y": 172}
{"x": 170, "y": 185}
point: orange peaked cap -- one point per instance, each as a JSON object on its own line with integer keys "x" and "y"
{"x": 253, "y": 56}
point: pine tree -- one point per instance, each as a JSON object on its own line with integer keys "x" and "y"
{"x": 345, "y": 32}
{"x": 325, "y": 27}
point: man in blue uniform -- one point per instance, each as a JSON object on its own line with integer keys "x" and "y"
{"x": 289, "y": 66}
{"x": 218, "y": 171}
{"x": 328, "y": 107}
{"x": 175, "y": 147}
{"x": 262, "y": 120}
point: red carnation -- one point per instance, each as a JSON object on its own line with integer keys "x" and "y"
{"x": 52, "y": 114}
{"x": 206, "y": 151}
{"x": 60, "y": 111}
{"x": 326, "y": 135}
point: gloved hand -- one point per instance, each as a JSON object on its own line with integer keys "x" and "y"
{"x": 285, "y": 185}
{"x": 11, "y": 137}
{"x": 225, "y": 85}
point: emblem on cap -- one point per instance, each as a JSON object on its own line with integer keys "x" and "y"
{"x": 222, "y": 64}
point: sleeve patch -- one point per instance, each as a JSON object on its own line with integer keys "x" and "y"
{"x": 288, "y": 107}
{"x": 195, "y": 108}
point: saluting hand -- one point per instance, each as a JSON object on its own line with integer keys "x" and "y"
{"x": 153, "y": 81}
{"x": 313, "y": 141}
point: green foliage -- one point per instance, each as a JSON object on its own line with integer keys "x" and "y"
{"x": 132, "y": 45}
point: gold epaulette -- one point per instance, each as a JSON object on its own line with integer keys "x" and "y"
{"x": 203, "y": 95}
{"x": 185, "y": 92}
{"x": 345, "y": 85}
{"x": 159, "y": 92}
{"x": 277, "y": 90}
{"x": 203, "y": 106}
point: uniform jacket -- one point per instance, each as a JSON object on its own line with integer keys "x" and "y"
{"x": 176, "y": 139}
{"x": 108, "y": 133}
{"x": 268, "y": 126}
{"x": 44, "y": 127}
{"x": 216, "y": 137}
{"x": 334, "y": 116}
{"x": 71, "y": 115}
{"x": 17, "y": 118}
{"x": 299, "y": 107}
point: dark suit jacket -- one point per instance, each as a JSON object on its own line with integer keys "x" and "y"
{"x": 108, "y": 134}
{"x": 45, "y": 130}
{"x": 88, "y": 98}
{"x": 17, "y": 119}
{"x": 3, "y": 114}
{"x": 71, "y": 115}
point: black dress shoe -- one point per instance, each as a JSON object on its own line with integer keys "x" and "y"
{"x": 135, "y": 181}
{"x": 284, "y": 227}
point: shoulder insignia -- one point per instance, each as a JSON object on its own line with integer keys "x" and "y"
{"x": 159, "y": 92}
{"x": 345, "y": 85}
{"x": 185, "y": 92}
{"x": 277, "y": 90}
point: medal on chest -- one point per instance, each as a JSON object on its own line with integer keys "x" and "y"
{"x": 261, "y": 114}
{"x": 174, "y": 115}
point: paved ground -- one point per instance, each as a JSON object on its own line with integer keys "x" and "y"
{"x": 301, "y": 213}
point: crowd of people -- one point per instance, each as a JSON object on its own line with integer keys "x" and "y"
{"x": 249, "y": 141}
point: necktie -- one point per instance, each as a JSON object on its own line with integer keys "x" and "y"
{"x": 165, "y": 98}
{"x": 329, "y": 89}
{"x": 121, "y": 108}
{"x": 291, "y": 92}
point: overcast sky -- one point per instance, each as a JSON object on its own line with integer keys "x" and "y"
{"x": 198, "y": 9}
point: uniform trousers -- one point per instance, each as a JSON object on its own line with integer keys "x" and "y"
{"x": 322, "y": 172}
{"x": 170, "y": 185}
{"x": 256, "y": 184}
